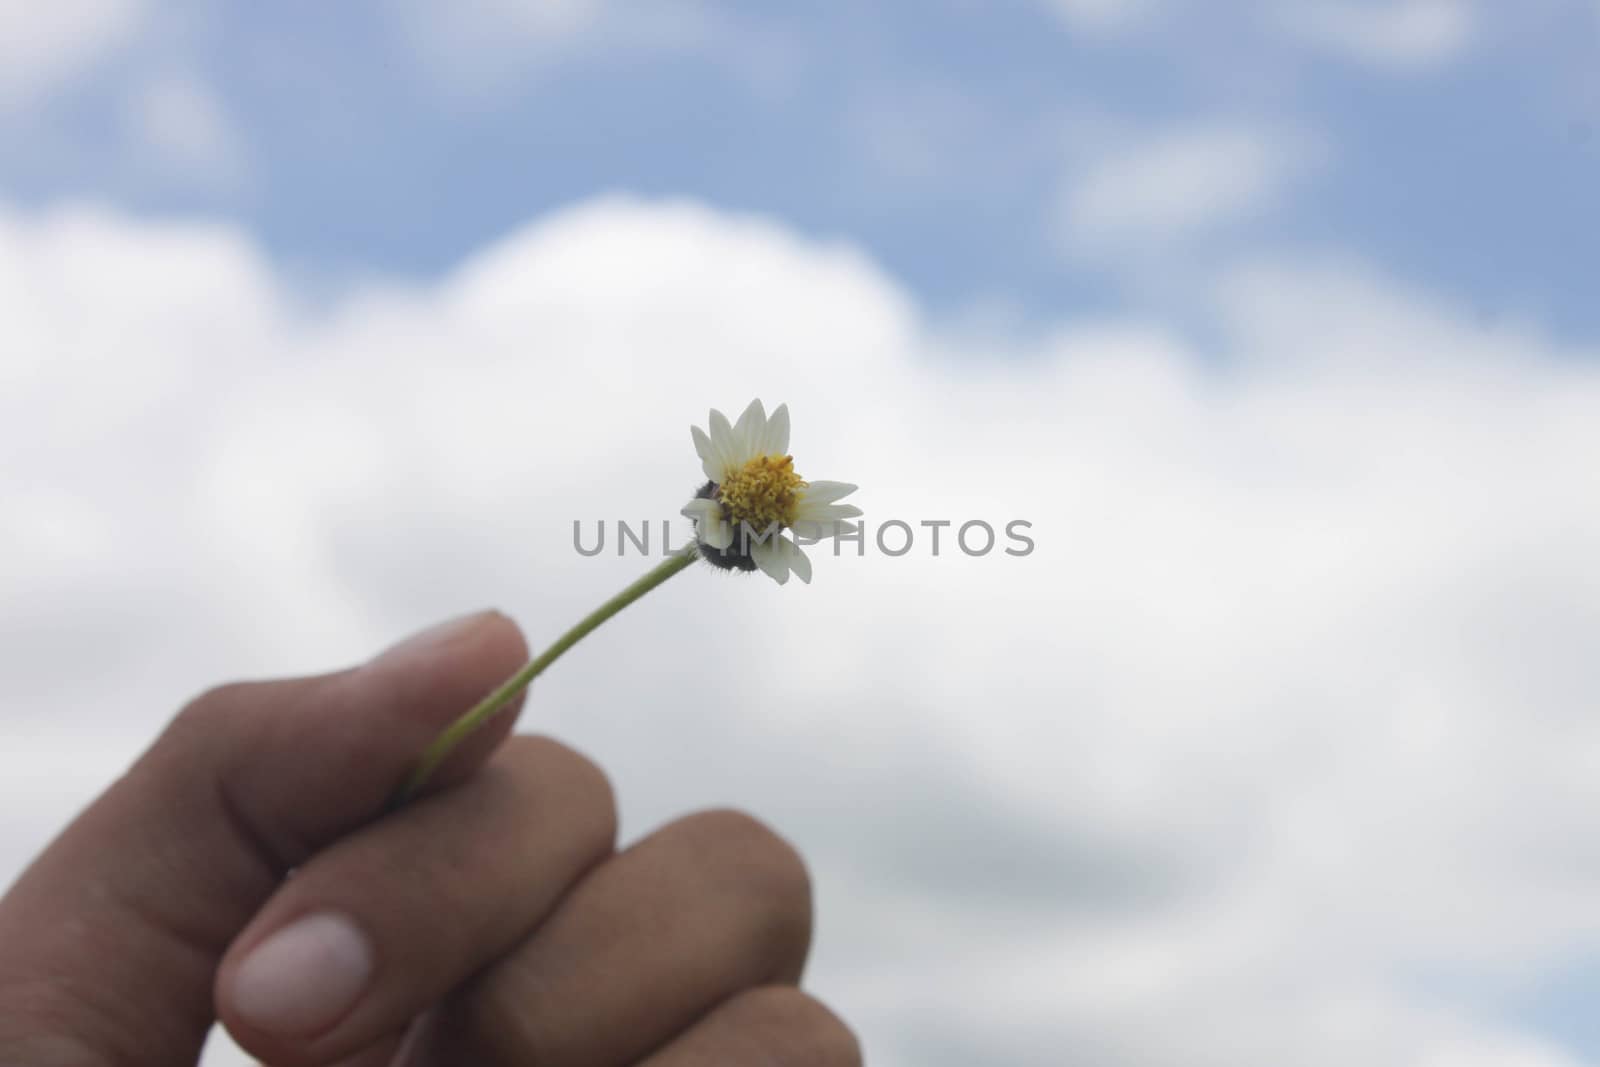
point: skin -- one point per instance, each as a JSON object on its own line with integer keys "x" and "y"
{"x": 504, "y": 926}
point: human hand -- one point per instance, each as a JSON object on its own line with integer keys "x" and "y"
{"x": 494, "y": 908}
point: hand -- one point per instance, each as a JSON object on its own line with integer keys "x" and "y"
{"x": 494, "y": 908}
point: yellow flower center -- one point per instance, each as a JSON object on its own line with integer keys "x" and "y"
{"x": 762, "y": 492}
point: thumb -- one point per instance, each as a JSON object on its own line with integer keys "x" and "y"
{"x": 111, "y": 940}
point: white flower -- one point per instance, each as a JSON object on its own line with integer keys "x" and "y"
{"x": 754, "y": 495}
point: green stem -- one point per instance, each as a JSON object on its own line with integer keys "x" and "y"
{"x": 486, "y": 708}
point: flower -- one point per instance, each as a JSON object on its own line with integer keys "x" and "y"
{"x": 755, "y": 494}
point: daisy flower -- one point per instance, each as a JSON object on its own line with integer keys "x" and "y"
{"x": 754, "y": 495}
{"x": 740, "y": 517}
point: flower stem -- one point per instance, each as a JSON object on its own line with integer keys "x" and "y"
{"x": 486, "y": 708}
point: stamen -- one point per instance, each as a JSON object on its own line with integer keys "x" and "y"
{"x": 762, "y": 492}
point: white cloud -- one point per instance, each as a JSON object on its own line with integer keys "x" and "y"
{"x": 1176, "y": 184}
{"x": 177, "y": 125}
{"x": 541, "y": 20}
{"x": 43, "y": 46}
{"x": 1401, "y": 34}
{"x": 1398, "y": 34}
{"x": 480, "y": 47}
{"x": 1292, "y": 703}
{"x": 1336, "y": 312}
{"x": 1105, "y": 16}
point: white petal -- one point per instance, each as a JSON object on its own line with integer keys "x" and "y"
{"x": 809, "y": 510}
{"x": 698, "y": 508}
{"x": 777, "y": 442}
{"x": 799, "y": 562}
{"x": 710, "y": 462}
{"x": 709, "y": 524}
{"x": 717, "y": 532}
{"x": 750, "y": 431}
{"x": 816, "y": 532}
{"x": 722, "y": 441}
{"x": 828, "y": 492}
{"x": 770, "y": 558}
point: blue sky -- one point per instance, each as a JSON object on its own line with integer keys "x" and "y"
{"x": 941, "y": 136}
{"x": 342, "y": 277}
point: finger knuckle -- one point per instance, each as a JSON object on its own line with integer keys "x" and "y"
{"x": 585, "y": 788}
{"x": 219, "y": 701}
{"x": 208, "y": 720}
{"x": 797, "y": 1021}
{"x": 763, "y": 869}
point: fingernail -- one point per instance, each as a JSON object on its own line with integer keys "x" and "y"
{"x": 305, "y": 977}
{"x": 436, "y": 636}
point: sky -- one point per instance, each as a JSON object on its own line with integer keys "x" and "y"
{"x": 1274, "y": 320}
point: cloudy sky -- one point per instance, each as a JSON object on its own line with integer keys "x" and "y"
{"x": 1274, "y": 318}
